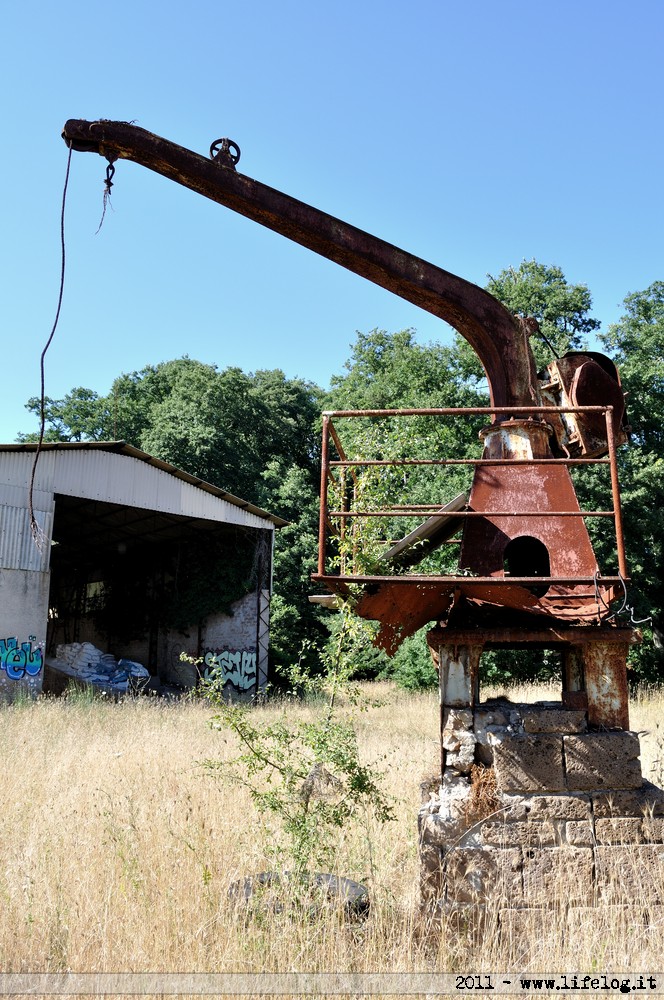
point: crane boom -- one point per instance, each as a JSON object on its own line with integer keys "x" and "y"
{"x": 499, "y": 338}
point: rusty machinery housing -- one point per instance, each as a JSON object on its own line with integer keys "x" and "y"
{"x": 497, "y": 554}
{"x": 527, "y": 572}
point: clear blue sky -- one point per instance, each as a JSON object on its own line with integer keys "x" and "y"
{"x": 474, "y": 134}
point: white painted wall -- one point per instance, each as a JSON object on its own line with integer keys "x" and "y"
{"x": 23, "y": 618}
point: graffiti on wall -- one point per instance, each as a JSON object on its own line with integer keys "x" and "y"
{"x": 233, "y": 666}
{"x": 17, "y": 661}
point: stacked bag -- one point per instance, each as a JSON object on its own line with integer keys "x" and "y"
{"x": 95, "y": 667}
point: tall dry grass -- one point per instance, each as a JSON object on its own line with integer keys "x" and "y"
{"x": 118, "y": 850}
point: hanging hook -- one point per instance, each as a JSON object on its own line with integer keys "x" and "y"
{"x": 108, "y": 184}
{"x": 110, "y": 173}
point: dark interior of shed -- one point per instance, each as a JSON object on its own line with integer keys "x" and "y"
{"x": 128, "y": 573}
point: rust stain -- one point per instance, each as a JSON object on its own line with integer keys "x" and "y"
{"x": 606, "y": 684}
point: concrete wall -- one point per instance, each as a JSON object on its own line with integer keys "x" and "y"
{"x": 234, "y": 644}
{"x": 228, "y": 644}
{"x": 23, "y": 618}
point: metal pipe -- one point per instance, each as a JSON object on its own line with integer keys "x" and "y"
{"x": 342, "y": 533}
{"x": 442, "y": 411}
{"x": 361, "y": 463}
{"x": 338, "y": 445}
{"x": 499, "y": 338}
{"x": 472, "y": 513}
{"x": 324, "y": 471}
{"x": 337, "y": 442}
{"x": 615, "y": 490}
{"x": 445, "y": 581}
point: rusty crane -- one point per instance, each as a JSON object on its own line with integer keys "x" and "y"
{"x": 527, "y": 574}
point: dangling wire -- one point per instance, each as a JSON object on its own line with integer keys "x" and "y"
{"x": 599, "y": 598}
{"x": 108, "y": 184}
{"x": 37, "y": 533}
{"x": 628, "y": 609}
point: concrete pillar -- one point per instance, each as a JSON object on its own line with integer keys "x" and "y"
{"x": 458, "y": 668}
{"x": 605, "y": 673}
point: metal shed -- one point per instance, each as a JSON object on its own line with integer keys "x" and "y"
{"x": 130, "y": 546}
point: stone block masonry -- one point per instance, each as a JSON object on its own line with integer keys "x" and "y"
{"x": 540, "y": 762}
{"x": 528, "y": 762}
{"x": 536, "y": 811}
{"x": 602, "y": 760}
{"x": 628, "y": 872}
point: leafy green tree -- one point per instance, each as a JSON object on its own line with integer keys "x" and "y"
{"x": 207, "y": 424}
{"x": 292, "y": 432}
{"x": 82, "y": 415}
{"x": 636, "y": 344}
{"x": 411, "y": 667}
{"x": 392, "y": 371}
{"x": 388, "y": 370}
{"x": 297, "y": 627}
{"x": 221, "y": 425}
{"x": 254, "y": 435}
{"x": 542, "y": 291}
{"x": 561, "y": 309}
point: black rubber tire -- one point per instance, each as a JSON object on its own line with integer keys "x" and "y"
{"x": 352, "y": 895}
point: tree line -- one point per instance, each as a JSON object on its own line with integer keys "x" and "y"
{"x": 257, "y": 435}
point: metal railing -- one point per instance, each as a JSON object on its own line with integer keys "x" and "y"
{"x": 335, "y": 522}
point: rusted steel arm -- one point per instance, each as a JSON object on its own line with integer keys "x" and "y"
{"x": 499, "y": 339}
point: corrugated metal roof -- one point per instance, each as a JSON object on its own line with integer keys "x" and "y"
{"x": 108, "y": 481}
{"x": 17, "y": 546}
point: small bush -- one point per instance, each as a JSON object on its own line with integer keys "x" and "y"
{"x": 412, "y": 667}
{"x": 306, "y": 775}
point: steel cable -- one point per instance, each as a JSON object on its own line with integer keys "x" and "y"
{"x": 36, "y": 530}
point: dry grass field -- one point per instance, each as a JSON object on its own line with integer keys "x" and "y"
{"x": 118, "y": 851}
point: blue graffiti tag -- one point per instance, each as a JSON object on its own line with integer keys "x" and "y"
{"x": 17, "y": 661}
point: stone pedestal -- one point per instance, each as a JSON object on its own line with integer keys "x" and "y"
{"x": 536, "y": 809}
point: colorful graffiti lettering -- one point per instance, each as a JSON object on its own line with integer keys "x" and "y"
{"x": 236, "y": 667}
{"x": 17, "y": 661}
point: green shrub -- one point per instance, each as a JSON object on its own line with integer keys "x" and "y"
{"x": 412, "y": 667}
